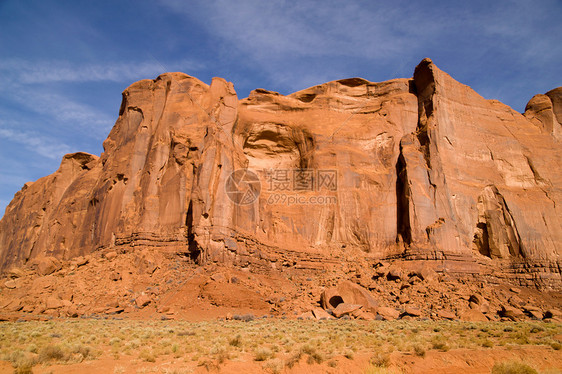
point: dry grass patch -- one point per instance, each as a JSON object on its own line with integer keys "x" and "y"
{"x": 513, "y": 368}
{"x": 274, "y": 342}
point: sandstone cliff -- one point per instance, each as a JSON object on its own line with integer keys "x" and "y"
{"x": 419, "y": 169}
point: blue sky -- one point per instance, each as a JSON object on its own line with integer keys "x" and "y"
{"x": 64, "y": 64}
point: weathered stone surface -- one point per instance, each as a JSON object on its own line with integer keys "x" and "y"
{"x": 350, "y": 293}
{"x": 546, "y": 111}
{"x": 387, "y": 313}
{"x": 534, "y": 313}
{"x": 80, "y": 261}
{"x": 447, "y": 314}
{"x": 143, "y": 300}
{"x": 423, "y": 168}
{"x": 15, "y": 272}
{"x": 110, "y": 255}
{"x": 320, "y": 314}
{"x": 473, "y": 315}
{"x": 511, "y": 313}
{"x": 306, "y": 315}
{"x": 364, "y": 315}
{"x": 47, "y": 265}
{"x": 424, "y": 272}
{"x": 53, "y": 303}
{"x": 345, "y": 309}
{"x": 330, "y": 298}
{"x": 477, "y": 299}
{"x": 10, "y": 284}
{"x": 394, "y": 273}
{"x": 412, "y": 311}
{"x": 479, "y": 303}
{"x": 553, "y": 313}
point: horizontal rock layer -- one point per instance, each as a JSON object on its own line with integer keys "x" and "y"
{"x": 420, "y": 168}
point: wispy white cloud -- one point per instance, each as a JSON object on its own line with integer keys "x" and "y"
{"x": 281, "y": 37}
{"x": 276, "y": 34}
{"x": 46, "y": 71}
{"x": 523, "y": 29}
{"x": 29, "y": 83}
{"x": 60, "y": 109}
{"x": 273, "y": 29}
{"x": 40, "y": 144}
{"x": 12, "y": 179}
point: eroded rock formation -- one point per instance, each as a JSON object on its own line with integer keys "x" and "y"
{"x": 418, "y": 169}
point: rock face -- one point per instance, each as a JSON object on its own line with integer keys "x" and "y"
{"x": 348, "y": 293}
{"x": 419, "y": 169}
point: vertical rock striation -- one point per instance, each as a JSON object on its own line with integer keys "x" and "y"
{"x": 420, "y": 168}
